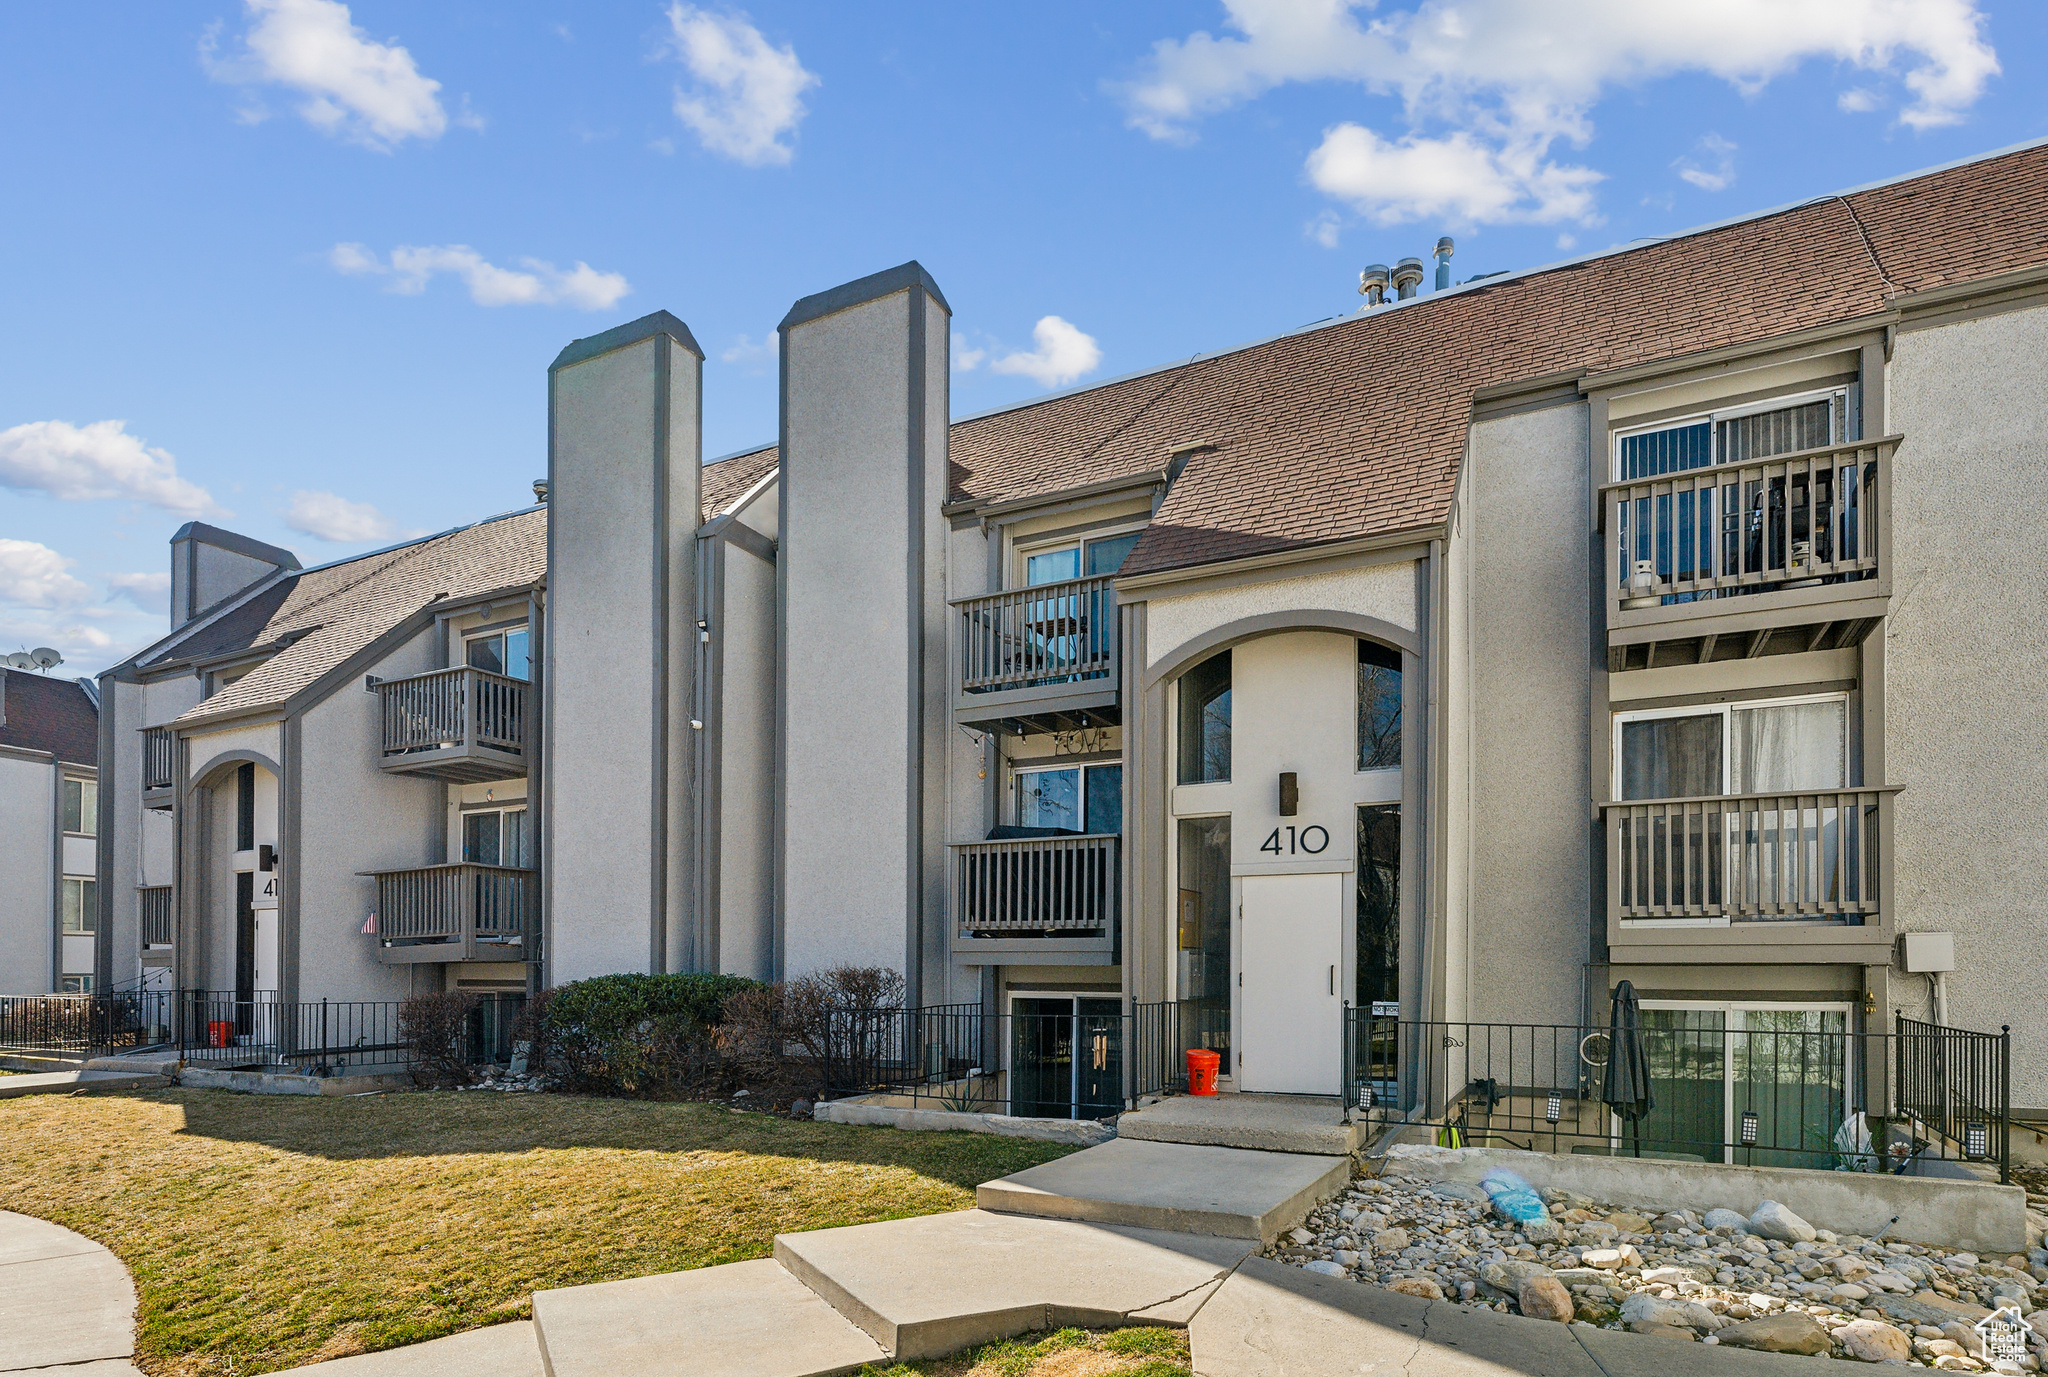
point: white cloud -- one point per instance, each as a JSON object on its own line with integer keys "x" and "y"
{"x": 1567, "y": 241}
{"x": 99, "y": 460}
{"x": 1492, "y": 85}
{"x": 148, "y": 592}
{"x": 751, "y": 356}
{"x": 966, "y": 358}
{"x": 1721, "y": 175}
{"x": 540, "y": 284}
{"x": 1859, "y": 100}
{"x": 353, "y": 86}
{"x": 326, "y": 516}
{"x": 747, "y": 95}
{"x": 33, "y": 575}
{"x": 1063, "y": 354}
{"x": 1323, "y": 229}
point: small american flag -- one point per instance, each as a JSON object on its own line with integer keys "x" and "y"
{"x": 370, "y": 928}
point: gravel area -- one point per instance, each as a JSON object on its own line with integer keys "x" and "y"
{"x": 1769, "y": 1282}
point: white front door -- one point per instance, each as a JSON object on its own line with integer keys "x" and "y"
{"x": 1290, "y": 946}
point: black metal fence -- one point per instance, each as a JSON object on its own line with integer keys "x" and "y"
{"x": 1792, "y": 1087}
{"x": 1087, "y": 1060}
{"x": 216, "y": 1028}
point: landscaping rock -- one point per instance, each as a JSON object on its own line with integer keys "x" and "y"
{"x": 1629, "y": 1223}
{"x": 1663, "y": 1331}
{"x": 1773, "y": 1220}
{"x": 1644, "y": 1308}
{"x": 1874, "y": 1341}
{"x": 1791, "y": 1332}
{"x": 1612, "y": 1259}
{"x": 1671, "y": 1276}
{"x": 1304, "y": 1237}
{"x": 1725, "y": 1219}
{"x": 1416, "y": 1286}
{"x": 1544, "y": 1298}
{"x": 1508, "y": 1274}
{"x": 1326, "y": 1269}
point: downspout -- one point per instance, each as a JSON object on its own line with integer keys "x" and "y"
{"x": 1433, "y": 947}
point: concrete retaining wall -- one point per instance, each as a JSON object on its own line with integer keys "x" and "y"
{"x": 1953, "y": 1214}
{"x": 1079, "y": 1132}
{"x": 273, "y": 1083}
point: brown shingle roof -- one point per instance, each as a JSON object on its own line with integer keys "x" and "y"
{"x": 729, "y": 479}
{"x": 45, "y": 714}
{"x": 1357, "y": 428}
{"x": 332, "y": 612}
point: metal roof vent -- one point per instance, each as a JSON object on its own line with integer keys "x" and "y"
{"x": 1407, "y": 277}
{"x": 1444, "y": 249}
{"x": 1372, "y": 285}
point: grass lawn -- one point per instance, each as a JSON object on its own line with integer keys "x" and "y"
{"x": 265, "y": 1231}
{"x": 1137, "y": 1352}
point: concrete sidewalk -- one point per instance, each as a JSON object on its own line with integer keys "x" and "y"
{"x": 66, "y": 1304}
{"x": 73, "y": 1082}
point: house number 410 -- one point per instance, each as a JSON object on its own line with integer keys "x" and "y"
{"x": 1305, "y": 841}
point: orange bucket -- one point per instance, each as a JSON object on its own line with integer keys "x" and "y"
{"x": 220, "y": 1033}
{"x": 1202, "y": 1068}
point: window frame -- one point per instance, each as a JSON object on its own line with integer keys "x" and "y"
{"x": 500, "y": 811}
{"x": 88, "y": 912}
{"x": 1018, "y": 769}
{"x": 1838, "y": 423}
{"x": 500, "y": 633}
{"x": 88, "y": 813}
{"x": 1726, "y": 711}
{"x": 1025, "y": 548}
{"x": 1732, "y": 1010}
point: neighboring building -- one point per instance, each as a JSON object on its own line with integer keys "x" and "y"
{"x": 1671, "y": 614}
{"x": 49, "y": 830}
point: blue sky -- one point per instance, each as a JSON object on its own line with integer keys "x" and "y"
{"x": 298, "y": 267}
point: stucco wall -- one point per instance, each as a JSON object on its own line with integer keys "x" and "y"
{"x": 1525, "y": 513}
{"x": 26, "y": 918}
{"x": 1964, "y": 661}
{"x": 1386, "y": 591}
{"x": 746, "y": 879}
{"x": 845, "y": 552}
{"x": 353, "y": 817}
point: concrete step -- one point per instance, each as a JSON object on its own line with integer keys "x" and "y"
{"x": 1266, "y": 1123}
{"x": 502, "y": 1350}
{"x": 148, "y": 1063}
{"x": 745, "y": 1319}
{"x": 68, "y": 1082}
{"x": 926, "y": 1287}
{"x": 1184, "y": 1187}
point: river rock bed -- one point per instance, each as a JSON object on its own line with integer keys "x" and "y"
{"x": 1769, "y": 1281}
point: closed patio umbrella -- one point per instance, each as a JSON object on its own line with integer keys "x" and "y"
{"x": 1627, "y": 1090}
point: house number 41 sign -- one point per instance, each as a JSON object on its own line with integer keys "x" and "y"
{"x": 1297, "y": 841}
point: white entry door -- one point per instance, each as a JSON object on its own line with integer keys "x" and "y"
{"x": 1290, "y": 946}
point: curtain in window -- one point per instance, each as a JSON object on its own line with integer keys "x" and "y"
{"x": 1671, "y": 757}
{"x": 1790, "y": 746}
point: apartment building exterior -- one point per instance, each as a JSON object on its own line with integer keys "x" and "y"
{"x": 1668, "y": 615}
{"x": 49, "y": 830}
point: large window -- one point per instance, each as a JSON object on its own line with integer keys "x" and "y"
{"x": 1202, "y": 936}
{"x": 1713, "y": 1064}
{"x": 81, "y": 906}
{"x": 1073, "y": 798}
{"x": 502, "y": 652}
{"x": 1379, "y": 707}
{"x": 1089, "y": 558}
{"x": 495, "y": 837}
{"x": 1205, "y": 721}
{"x": 81, "y": 807}
{"x": 1736, "y": 748}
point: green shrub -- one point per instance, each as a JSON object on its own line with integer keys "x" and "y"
{"x": 635, "y": 1034}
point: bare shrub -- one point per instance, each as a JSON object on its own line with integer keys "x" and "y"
{"x": 754, "y": 1034}
{"x": 436, "y": 1028}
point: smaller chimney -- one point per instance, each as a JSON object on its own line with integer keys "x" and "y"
{"x": 1372, "y": 285}
{"x": 1407, "y": 277}
{"x": 1444, "y": 249}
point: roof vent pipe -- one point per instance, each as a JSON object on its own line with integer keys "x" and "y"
{"x": 1407, "y": 277}
{"x": 1372, "y": 285}
{"x": 1444, "y": 250}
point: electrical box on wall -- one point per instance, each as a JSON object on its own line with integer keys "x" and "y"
{"x": 1927, "y": 953}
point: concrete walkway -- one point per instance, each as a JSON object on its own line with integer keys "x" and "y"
{"x": 72, "y": 1082}
{"x": 66, "y": 1304}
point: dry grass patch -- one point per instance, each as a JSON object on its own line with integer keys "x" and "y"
{"x": 1143, "y": 1351}
{"x": 265, "y": 1231}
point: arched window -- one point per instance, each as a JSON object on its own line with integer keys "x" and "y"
{"x": 1205, "y": 721}
{"x": 1379, "y": 706}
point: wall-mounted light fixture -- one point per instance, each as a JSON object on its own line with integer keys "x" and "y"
{"x": 1290, "y": 794}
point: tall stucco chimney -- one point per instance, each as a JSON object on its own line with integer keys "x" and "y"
{"x": 209, "y": 565}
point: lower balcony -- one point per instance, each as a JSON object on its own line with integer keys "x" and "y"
{"x": 462, "y": 725}
{"x": 1785, "y": 867}
{"x": 1038, "y": 900}
{"x": 457, "y": 912}
{"x": 155, "y": 924}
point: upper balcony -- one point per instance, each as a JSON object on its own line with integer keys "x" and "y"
{"x": 1038, "y": 900}
{"x": 159, "y": 767}
{"x": 1714, "y": 562}
{"x": 1040, "y": 659}
{"x": 463, "y": 725}
{"x": 1808, "y": 868}
{"x": 459, "y": 912}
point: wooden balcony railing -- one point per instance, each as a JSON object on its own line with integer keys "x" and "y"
{"x": 464, "y": 725}
{"x": 457, "y": 912}
{"x": 1038, "y": 887}
{"x": 1053, "y": 633}
{"x": 159, "y": 758}
{"x": 156, "y": 916}
{"x": 1792, "y": 521}
{"x": 1816, "y": 857}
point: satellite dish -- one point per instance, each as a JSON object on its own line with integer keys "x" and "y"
{"x": 19, "y": 660}
{"x": 42, "y": 657}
